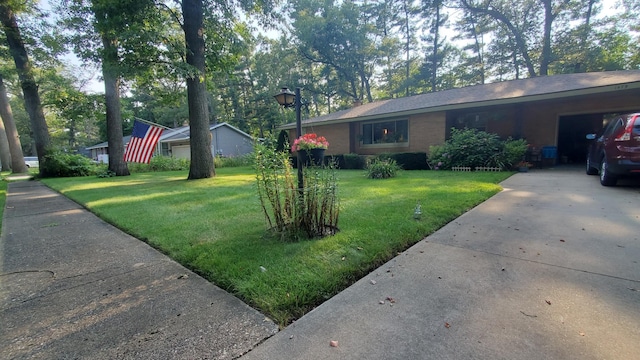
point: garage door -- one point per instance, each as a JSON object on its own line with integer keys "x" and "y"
{"x": 181, "y": 152}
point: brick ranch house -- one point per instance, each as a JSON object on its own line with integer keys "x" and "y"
{"x": 551, "y": 111}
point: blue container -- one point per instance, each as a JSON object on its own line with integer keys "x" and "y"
{"x": 549, "y": 152}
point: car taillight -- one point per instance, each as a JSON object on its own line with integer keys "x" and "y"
{"x": 626, "y": 134}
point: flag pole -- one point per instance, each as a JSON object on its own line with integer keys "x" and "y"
{"x": 151, "y": 123}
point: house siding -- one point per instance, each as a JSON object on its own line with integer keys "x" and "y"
{"x": 336, "y": 134}
{"x": 426, "y": 130}
{"x": 228, "y": 142}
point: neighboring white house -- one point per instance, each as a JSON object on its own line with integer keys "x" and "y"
{"x": 226, "y": 140}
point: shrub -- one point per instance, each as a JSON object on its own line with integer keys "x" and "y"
{"x": 283, "y": 141}
{"x": 469, "y": 147}
{"x": 60, "y": 164}
{"x": 514, "y": 152}
{"x": 233, "y": 161}
{"x": 349, "y": 161}
{"x": 160, "y": 163}
{"x": 354, "y": 161}
{"x": 382, "y": 169}
{"x": 409, "y": 160}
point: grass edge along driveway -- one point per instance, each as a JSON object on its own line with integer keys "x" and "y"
{"x": 216, "y": 228}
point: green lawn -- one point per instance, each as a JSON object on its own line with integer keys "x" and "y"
{"x": 215, "y": 227}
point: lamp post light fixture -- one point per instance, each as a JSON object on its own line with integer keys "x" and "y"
{"x": 286, "y": 98}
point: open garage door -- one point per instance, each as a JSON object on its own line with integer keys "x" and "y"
{"x": 572, "y": 131}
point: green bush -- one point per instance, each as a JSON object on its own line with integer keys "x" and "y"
{"x": 350, "y": 161}
{"x": 382, "y": 169}
{"x": 160, "y": 163}
{"x": 409, "y": 160}
{"x": 283, "y": 141}
{"x": 233, "y": 161}
{"x": 514, "y": 151}
{"x": 475, "y": 148}
{"x": 60, "y": 164}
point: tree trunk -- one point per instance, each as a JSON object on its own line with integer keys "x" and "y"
{"x": 112, "y": 103}
{"x": 5, "y": 153}
{"x": 434, "y": 56}
{"x": 27, "y": 81}
{"x": 14, "y": 148}
{"x": 545, "y": 57}
{"x": 200, "y": 139}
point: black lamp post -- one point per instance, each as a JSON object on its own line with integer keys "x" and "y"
{"x": 286, "y": 98}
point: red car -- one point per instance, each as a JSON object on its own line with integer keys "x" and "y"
{"x": 616, "y": 152}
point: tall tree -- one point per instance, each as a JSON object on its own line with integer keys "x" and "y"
{"x": 27, "y": 81}
{"x": 217, "y": 51}
{"x": 200, "y": 138}
{"x": 122, "y": 36}
{"x": 338, "y": 36}
{"x": 437, "y": 49}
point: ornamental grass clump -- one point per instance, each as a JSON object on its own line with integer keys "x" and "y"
{"x": 382, "y": 169}
{"x": 293, "y": 213}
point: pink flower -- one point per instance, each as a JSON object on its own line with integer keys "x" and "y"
{"x": 309, "y": 141}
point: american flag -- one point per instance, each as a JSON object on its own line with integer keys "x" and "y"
{"x": 142, "y": 143}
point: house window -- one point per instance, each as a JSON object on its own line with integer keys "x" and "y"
{"x": 472, "y": 121}
{"x": 385, "y": 132}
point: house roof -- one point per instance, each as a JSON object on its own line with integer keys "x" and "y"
{"x": 184, "y": 133}
{"x": 105, "y": 144}
{"x": 505, "y": 92}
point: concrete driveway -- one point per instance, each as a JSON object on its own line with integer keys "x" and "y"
{"x": 547, "y": 269}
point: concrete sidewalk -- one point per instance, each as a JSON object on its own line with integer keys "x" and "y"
{"x": 547, "y": 269}
{"x": 74, "y": 287}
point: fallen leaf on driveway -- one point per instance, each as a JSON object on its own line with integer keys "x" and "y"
{"x": 561, "y": 240}
{"x": 447, "y": 325}
{"x": 390, "y": 299}
{"x": 581, "y": 333}
{"x": 333, "y": 343}
{"x": 548, "y": 302}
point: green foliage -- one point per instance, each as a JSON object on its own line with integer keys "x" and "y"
{"x": 382, "y": 169}
{"x": 514, "y": 152}
{"x": 408, "y": 160}
{"x": 59, "y": 164}
{"x": 104, "y": 172}
{"x": 160, "y": 163}
{"x": 283, "y": 141}
{"x": 295, "y": 213}
{"x": 233, "y": 161}
{"x": 350, "y": 161}
{"x": 474, "y": 148}
{"x": 467, "y": 147}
